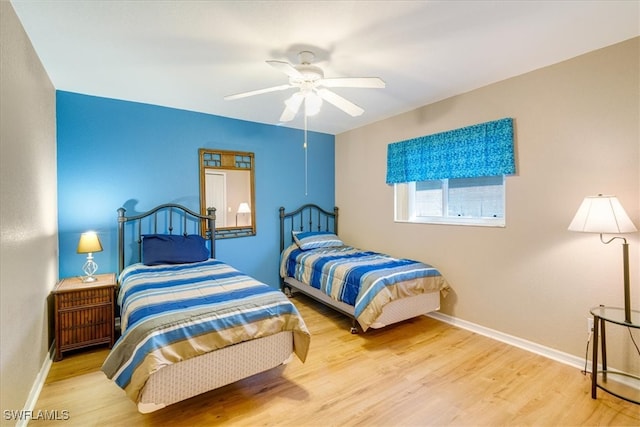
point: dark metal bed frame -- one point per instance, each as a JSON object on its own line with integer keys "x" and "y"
{"x": 324, "y": 221}
{"x": 163, "y": 218}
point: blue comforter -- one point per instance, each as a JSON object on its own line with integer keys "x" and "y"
{"x": 363, "y": 279}
{"x": 173, "y": 312}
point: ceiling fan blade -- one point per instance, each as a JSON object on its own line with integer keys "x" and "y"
{"x": 363, "y": 82}
{"x": 343, "y": 104}
{"x": 286, "y": 68}
{"x": 292, "y": 106}
{"x": 257, "y": 92}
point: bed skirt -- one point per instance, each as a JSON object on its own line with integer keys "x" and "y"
{"x": 215, "y": 369}
{"x": 393, "y": 312}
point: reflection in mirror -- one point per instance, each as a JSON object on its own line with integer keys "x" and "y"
{"x": 227, "y": 184}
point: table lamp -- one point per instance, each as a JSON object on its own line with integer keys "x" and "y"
{"x": 604, "y": 214}
{"x": 88, "y": 244}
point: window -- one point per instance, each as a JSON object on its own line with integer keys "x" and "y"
{"x": 453, "y": 177}
{"x": 464, "y": 201}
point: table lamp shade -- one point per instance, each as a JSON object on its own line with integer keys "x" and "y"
{"x": 602, "y": 214}
{"x": 89, "y": 242}
{"x": 244, "y": 208}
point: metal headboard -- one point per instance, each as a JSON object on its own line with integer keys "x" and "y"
{"x": 308, "y": 217}
{"x": 162, "y": 219}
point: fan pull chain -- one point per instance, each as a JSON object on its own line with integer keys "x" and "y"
{"x": 305, "y": 150}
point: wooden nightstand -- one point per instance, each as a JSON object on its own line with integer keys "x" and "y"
{"x": 84, "y": 313}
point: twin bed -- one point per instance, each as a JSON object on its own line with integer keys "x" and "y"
{"x": 191, "y": 323}
{"x": 375, "y": 290}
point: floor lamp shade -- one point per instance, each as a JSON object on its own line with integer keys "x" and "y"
{"x": 602, "y": 214}
{"x": 605, "y": 215}
{"x": 244, "y": 208}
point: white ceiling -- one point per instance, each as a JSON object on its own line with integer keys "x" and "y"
{"x": 190, "y": 54}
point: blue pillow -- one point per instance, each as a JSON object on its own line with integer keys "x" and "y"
{"x": 316, "y": 239}
{"x": 173, "y": 249}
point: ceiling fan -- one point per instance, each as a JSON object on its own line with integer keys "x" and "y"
{"x": 312, "y": 85}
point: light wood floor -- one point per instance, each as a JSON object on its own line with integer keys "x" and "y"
{"x": 420, "y": 372}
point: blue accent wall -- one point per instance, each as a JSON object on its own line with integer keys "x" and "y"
{"x": 114, "y": 153}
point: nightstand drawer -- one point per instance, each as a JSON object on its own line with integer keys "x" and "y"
{"x": 84, "y": 298}
{"x": 82, "y": 326}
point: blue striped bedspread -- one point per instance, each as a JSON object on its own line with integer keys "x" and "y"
{"x": 363, "y": 279}
{"x": 170, "y": 313}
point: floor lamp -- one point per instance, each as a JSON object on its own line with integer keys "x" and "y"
{"x": 242, "y": 209}
{"x": 604, "y": 214}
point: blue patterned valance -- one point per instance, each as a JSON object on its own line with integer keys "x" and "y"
{"x": 485, "y": 149}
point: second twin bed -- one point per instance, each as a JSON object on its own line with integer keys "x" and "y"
{"x": 374, "y": 289}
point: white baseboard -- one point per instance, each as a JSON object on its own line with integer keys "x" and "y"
{"x": 548, "y": 352}
{"x": 36, "y": 388}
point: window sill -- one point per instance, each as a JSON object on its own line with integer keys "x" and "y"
{"x": 474, "y": 222}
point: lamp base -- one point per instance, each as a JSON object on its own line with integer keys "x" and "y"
{"x": 90, "y": 267}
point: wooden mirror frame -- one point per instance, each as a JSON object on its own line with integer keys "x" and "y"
{"x": 233, "y": 162}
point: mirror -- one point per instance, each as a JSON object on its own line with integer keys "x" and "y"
{"x": 227, "y": 184}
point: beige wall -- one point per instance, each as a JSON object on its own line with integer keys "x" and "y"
{"x": 577, "y": 127}
{"x": 28, "y": 211}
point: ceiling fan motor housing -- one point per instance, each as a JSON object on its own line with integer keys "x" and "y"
{"x": 310, "y": 74}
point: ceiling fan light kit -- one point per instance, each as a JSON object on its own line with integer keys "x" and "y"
{"x": 312, "y": 88}
{"x": 312, "y": 104}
